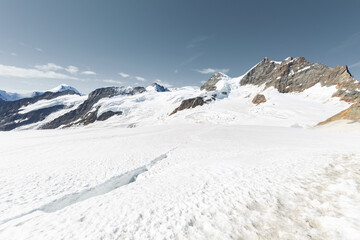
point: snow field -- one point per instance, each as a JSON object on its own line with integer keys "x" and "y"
{"x": 212, "y": 182}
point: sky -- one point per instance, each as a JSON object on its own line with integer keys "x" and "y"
{"x": 89, "y": 44}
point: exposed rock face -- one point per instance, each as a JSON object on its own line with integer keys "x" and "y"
{"x": 189, "y": 103}
{"x": 159, "y": 88}
{"x": 85, "y": 113}
{"x": 352, "y": 113}
{"x": 107, "y": 115}
{"x": 210, "y": 84}
{"x": 259, "y": 98}
{"x": 11, "y": 118}
{"x": 297, "y": 74}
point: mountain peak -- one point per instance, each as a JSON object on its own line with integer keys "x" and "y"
{"x": 62, "y": 88}
{"x": 298, "y": 74}
{"x": 266, "y": 60}
{"x": 157, "y": 87}
{"x": 288, "y": 59}
{"x": 210, "y": 85}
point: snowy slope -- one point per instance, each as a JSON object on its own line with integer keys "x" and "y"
{"x": 194, "y": 181}
{"x": 67, "y": 100}
{"x": 71, "y": 102}
{"x": 233, "y": 105}
{"x": 304, "y": 109}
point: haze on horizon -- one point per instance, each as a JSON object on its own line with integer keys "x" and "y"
{"x": 90, "y": 44}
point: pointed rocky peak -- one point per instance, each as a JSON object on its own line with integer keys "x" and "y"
{"x": 157, "y": 87}
{"x": 210, "y": 85}
{"x": 348, "y": 71}
{"x": 343, "y": 70}
{"x": 266, "y": 60}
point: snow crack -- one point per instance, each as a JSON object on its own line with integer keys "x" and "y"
{"x": 70, "y": 199}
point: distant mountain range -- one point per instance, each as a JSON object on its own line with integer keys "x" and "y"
{"x": 290, "y": 93}
{"x": 8, "y": 96}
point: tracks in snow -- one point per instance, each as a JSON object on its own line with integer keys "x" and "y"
{"x": 70, "y": 199}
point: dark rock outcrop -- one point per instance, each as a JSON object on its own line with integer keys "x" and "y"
{"x": 11, "y": 116}
{"x": 159, "y": 88}
{"x": 19, "y": 120}
{"x": 259, "y": 98}
{"x": 107, "y": 115}
{"x": 297, "y": 75}
{"x": 189, "y": 103}
{"x": 85, "y": 113}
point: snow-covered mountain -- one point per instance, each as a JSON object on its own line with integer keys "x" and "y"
{"x": 35, "y": 109}
{"x": 62, "y": 88}
{"x": 290, "y": 93}
{"x": 8, "y": 96}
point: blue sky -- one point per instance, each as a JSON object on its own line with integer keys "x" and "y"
{"x": 89, "y": 44}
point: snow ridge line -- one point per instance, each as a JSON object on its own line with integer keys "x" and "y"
{"x": 70, "y": 199}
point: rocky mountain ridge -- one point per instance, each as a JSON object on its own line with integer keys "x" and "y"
{"x": 57, "y": 109}
{"x": 85, "y": 114}
{"x": 10, "y": 111}
{"x": 293, "y": 75}
{"x": 297, "y": 74}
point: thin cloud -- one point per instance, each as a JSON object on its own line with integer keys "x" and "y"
{"x": 12, "y": 71}
{"x": 176, "y": 71}
{"x": 124, "y": 75}
{"x": 195, "y": 42}
{"x": 49, "y": 67}
{"x": 72, "y": 69}
{"x": 355, "y": 65}
{"x": 191, "y": 59}
{"x": 212, "y": 70}
{"x": 163, "y": 83}
{"x": 351, "y": 41}
{"x": 112, "y": 81}
{"x": 39, "y": 49}
{"x": 13, "y": 54}
{"x": 88, "y": 73}
{"x": 140, "y": 78}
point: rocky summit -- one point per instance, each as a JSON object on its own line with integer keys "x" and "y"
{"x": 210, "y": 85}
{"x": 297, "y": 74}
